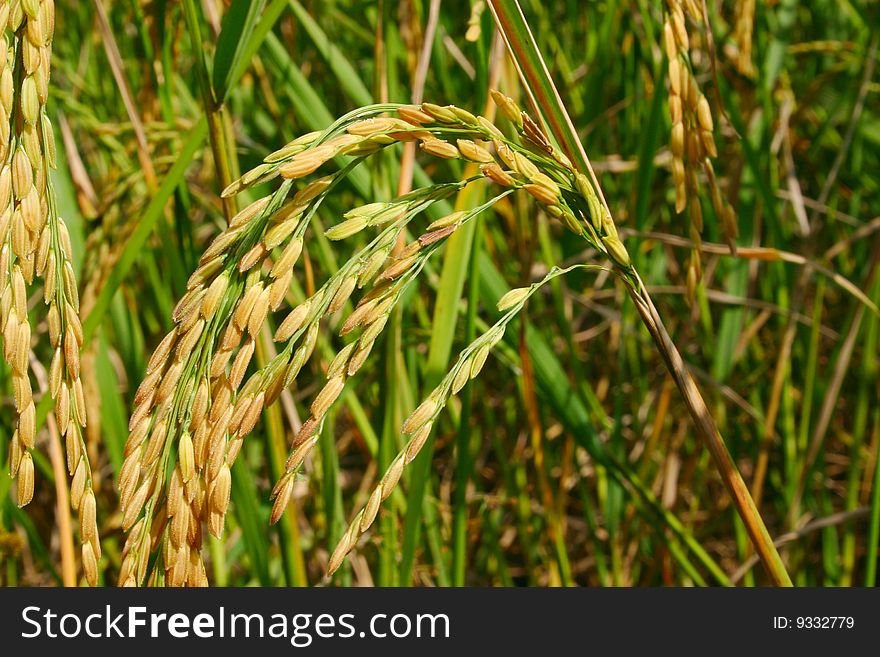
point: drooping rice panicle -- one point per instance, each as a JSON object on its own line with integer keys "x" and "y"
{"x": 34, "y": 240}
{"x": 374, "y": 309}
{"x": 692, "y": 140}
{"x": 418, "y": 426}
{"x": 744, "y": 26}
{"x": 194, "y": 406}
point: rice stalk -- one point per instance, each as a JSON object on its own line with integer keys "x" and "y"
{"x": 419, "y": 424}
{"x": 692, "y": 140}
{"x": 529, "y": 163}
{"x": 36, "y": 242}
{"x": 194, "y": 408}
{"x": 536, "y": 79}
{"x": 743, "y": 31}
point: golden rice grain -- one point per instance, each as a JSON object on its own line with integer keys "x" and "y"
{"x": 359, "y": 357}
{"x": 252, "y": 257}
{"x": 186, "y": 457}
{"x": 293, "y": 322}
{"x": 347, "y": 228}
{"x": 280, "y": 231}
{"x": 25, "y": 480}
{"x": 371, "y": 509}
{"x": 288, "y": 258}
{"x": 399, "y": 267}
{"x": 281, "y": 500}
{"x": 78, "y": 484}
{"x": 246, "y": 305}
{"x": 438, "y": 113}
{"x": 279, "y": 288}
{"x": 512, "y": 298}
{"x": 342, "y": 294}
{"x": 90, "y": 564}
{"x": 420, "y": 416}
{"x": 439, "y": 148}
{"x": 252, "y": 415}
{"x": 259, "y": 312}
{"x": 474, "y": 152}
{"x": 418, "y": 441}
{"x": 306, "y": 162}
{"x": 87, "y": 517}
{"x": 239, "y": 365}
{"x": 328, "y": 394}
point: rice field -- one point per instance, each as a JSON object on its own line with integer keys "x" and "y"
{"x": 471, "y": 293}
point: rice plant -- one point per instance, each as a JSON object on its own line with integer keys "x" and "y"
{"x": 596, "y": 313}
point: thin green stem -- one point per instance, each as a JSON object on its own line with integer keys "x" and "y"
{"x": 214, "y": 111}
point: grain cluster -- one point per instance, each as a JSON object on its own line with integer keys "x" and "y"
{"x": 520, "y": 160}
{"x": 692, "y": 139}
{"x": 200, "y": 397}
{"x": 35, "y": 244}
{"x": 743, "y": 29}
